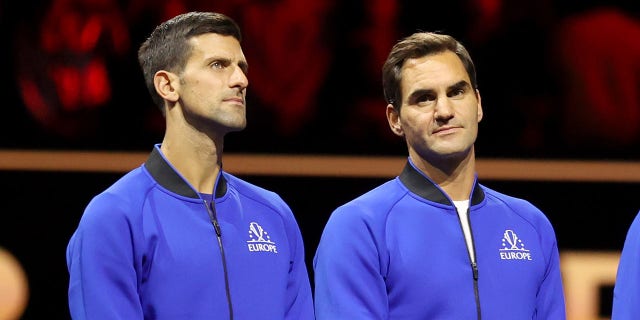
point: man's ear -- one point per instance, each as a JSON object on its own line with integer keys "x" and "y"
{"x": 393, "y": 117}
{"x": 167, "y": 85}
{"x": 480, "y": 112}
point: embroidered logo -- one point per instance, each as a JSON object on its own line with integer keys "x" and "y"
{"x": 259, "y": 239}
{"x": 513, "y": 248}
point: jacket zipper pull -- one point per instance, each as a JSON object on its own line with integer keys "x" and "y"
{"x": 212, "y": 217}
{"x": 216, "y": 226}
{"x": 474, "y": 266}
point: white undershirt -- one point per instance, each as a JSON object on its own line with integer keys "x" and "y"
{"x": 462, "y": 207}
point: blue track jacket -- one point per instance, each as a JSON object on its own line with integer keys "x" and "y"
{"x": 146, "y": 248}
{"x": 626, "y": 293}
{"x": 398, "y": 252}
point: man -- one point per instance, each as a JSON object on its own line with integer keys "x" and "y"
{"x": 433, "y": 243}
{"x": 179, "y": 238}
{"x": 626, "y": 293}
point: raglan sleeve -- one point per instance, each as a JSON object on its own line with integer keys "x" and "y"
{"x": 100, "y": 260}
{"x": 550, "y": 300}
{"x": 626, "y": 293}
{"x": 299, "y": 297}
{"x": 348, "y": 268}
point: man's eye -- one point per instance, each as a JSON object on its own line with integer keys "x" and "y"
{"x": 424, "y": 98}
{"x": 217, "y": 65}
{"x": 457, "y": 92}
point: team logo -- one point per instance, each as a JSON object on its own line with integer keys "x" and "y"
{"x": 513, "y": 247}
{"x": 259, "y": 240}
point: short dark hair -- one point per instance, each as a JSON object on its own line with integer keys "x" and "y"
{"x": 168, "y": 48}
{"x": 418, "y": 45}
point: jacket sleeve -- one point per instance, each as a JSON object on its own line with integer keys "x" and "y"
{"x": 349, "y": 276}
{"x": 550, "y": 300}
{"x": 100, "y": 258}
{"x": 626, "y": 293}
{"x": 299, "y": 298}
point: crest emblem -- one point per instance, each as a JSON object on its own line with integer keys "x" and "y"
{"x": 257, "y": 233}
{"x": 513, "y": 247}
{"x": 259, "y": 239}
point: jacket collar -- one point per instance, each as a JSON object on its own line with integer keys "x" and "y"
{"x": 162, "y": 171}
{"x": 419, "y": 184}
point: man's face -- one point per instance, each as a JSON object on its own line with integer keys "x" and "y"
{"x": 440, "y": 110}
{"x": 213, "y": 84}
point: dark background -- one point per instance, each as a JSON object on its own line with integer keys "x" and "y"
{"x": 72, "y": 83}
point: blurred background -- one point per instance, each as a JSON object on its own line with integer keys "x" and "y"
{"x": 560, "y": 80}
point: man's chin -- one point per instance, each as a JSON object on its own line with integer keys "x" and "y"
{"x": 236, "y": 128}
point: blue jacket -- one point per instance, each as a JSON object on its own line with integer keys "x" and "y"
{"x": 398, "y": 252}
{"x": 626, "y": 293}
{"x": 147, "y": 248}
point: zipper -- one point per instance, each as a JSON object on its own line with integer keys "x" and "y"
{"x": 472, "y": 259}
{"x": 211, "y": 209}
{"x": 474, "y": 265}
